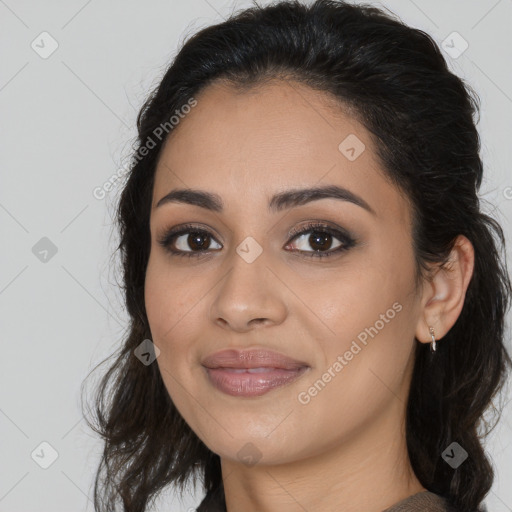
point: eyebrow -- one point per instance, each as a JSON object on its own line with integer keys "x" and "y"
{"x": 279, "y": 202}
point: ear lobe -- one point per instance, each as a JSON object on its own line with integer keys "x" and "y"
{"x": 444, "y": 295}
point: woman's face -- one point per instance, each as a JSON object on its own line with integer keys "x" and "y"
{"x": 350, "y": 317}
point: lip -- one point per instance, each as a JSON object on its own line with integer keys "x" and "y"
{"x": 251, "y": 372}
{"x": 254, "y": 358}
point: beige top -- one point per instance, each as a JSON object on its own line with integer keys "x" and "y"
{"x": 424, "y": 501}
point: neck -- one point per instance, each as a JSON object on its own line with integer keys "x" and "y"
{"x": 369, "y": 470}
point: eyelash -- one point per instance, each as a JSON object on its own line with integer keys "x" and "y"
{"x": 347, "y": 241}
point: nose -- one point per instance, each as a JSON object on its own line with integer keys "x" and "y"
{"x": 249, "y": 296}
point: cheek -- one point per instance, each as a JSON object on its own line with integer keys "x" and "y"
{"x": 366, "y": 366}
{"x": 155, "y": 299}
{"x": 371, "y": 318}
{"x": 173, "y": 306}
{"x": 164, "y": 311}
{"x": 165, "y": 296}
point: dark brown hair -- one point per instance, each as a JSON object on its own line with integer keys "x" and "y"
{"x": 421, "y": 118}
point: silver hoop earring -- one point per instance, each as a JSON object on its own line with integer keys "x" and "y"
{"x": 433, "y": 343}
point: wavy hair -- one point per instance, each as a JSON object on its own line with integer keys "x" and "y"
{"x": 422, "y": 119}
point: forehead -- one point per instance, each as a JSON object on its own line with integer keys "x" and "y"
{"x": 271, "y": 138}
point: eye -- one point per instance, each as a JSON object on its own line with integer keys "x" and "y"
{"x": 320, "y": 237}
{"x": 178, "y": 240}
{"x": 188, "y": 235}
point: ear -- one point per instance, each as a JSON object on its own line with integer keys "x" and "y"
{"x": 443, "y": 296}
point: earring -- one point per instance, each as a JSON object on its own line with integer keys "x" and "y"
{"x": 433, "y": 344}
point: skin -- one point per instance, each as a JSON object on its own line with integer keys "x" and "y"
{"x": 345, "y": 450}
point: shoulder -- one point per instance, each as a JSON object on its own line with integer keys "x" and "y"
{"x": 424, "y": 501}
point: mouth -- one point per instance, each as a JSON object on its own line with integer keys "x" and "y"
{"x": 252, "y": 382}
{"x": 253, "y": 372}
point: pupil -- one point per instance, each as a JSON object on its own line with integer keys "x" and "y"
{"x": 195, "y": 239}
{"x": 318, "y": 237}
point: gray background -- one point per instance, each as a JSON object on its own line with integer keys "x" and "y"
{"x": 68, "y": 121}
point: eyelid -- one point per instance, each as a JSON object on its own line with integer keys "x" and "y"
{"x": 312, "y": 224}
{"x": 187, "y": 227}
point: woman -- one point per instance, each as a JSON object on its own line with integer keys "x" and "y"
{"x": 317, "y": 302}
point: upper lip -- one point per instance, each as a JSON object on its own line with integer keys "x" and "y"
{"x": 254, "y": 358}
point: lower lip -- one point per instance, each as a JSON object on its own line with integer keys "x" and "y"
{"x": 251, "y": 384}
